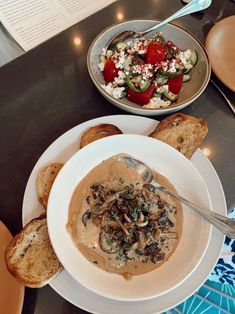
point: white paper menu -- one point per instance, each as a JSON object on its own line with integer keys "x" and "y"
{"x": 31, "y": 22}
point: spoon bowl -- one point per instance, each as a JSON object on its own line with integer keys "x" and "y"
{"x": 222, "y": 223}
{"x": 130, "y": 35}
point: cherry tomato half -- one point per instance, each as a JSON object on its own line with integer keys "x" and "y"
{"x": 156, "y": 52}
{"x": 110, "y": 71}
{"x": 140, "y": 98}
{"x": 175, "y": 83}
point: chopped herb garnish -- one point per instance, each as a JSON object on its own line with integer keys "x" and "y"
{"x": 135, "y": 214}
{"x": 121, "y": 180}
{"x": 109, "y": 242}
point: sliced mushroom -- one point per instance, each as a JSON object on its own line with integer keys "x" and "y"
{"x": 123, "y": 228}
{"x": 142, "y": 241}
{"x": 86, "y": 216}
{"x": 157, "y": 234}
{"x": 141, "y": 222}
{"x": 96, "y": 186}
{"x": 107, "y": 243}
{"x": 127, "y": 195}
{"x": 141, "y": 217}
{"x": 127, "y": 219}
{"x": 99, "y": 209}
{"x": 133, "y": 239}
{"x": 172, "y": 219}
{"x": 163, "y": 219}
{"x": 157, "y": 257}
{"x": 149, "y": 187}
{"x": 151, "y": 249}
{"x": 147, "y": 194}
{"x": 96, "y": 219}
{"x": 106, "y": 219}
{"x": 171, "y": 215}
{"x": 160, "y": 204}
{"x": 88, "y": 199}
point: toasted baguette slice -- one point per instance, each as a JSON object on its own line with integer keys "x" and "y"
{"x": 44, "y": 181}
{"x": 99, "y": 131}
{"x": 30, "y": 257}
{"x": 183, "y": 132}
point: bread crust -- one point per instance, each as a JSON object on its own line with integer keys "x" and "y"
{"x": 45, "y": 180}
{"x": 183, "y": 132}
{"x": 99, "y": 131}
{"x": 21, "y": 262}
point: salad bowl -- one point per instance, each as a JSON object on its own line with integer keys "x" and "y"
{"x": 192, "y": 88}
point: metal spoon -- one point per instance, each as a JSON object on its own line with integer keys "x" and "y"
{"x": 129, "y": 35}
{"x": 224, "y": 224}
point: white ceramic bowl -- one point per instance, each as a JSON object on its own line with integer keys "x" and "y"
{"x": 183, "y": 39}
{"x": 195, "y": 235}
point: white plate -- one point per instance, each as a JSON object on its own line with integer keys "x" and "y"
{"x": 63, "y": 148}
{"x": 195, "y": 234}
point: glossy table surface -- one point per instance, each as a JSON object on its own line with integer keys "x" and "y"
{"x": 47, "y": 91}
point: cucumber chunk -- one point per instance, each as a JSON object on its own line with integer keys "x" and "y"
{"x": 169, "y": 95}
{"x": 194, "y": 57}
{"x": 161, "y": 90}
{"x": 186, "y": 70}
{"x": 155, "y": 94}
{"x": 161, "y": 80}
{"x": 127, "y": 63}
{"x": 186, "y": 77}
{"x": 121, "y": 46}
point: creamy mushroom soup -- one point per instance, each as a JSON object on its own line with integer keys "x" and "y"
{"x": 121, "y": 223}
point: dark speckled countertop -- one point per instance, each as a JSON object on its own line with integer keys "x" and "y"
{"x": 47, "y": 91}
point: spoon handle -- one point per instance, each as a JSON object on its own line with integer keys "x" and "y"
{"x": 224, "y": 224}
{"x": 193, "y": 6}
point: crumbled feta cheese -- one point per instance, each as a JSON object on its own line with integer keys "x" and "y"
{"x": 103, "y": 51}
{"x": 120, "y": 79}
{"x": 184, "y": 57}
{"x": 138, "y": 46}
{"x": 142, "y": 52}
{"x": 169, "y": 66}
{"x": 166, "y": 88}
{"x": 101, "y": 66}
{"x": 164, "y": 66}
{"x": 144, "y": 69}
{"x": 136, "y": 69}
{"x": 172, "y": 68}
{"x": 157, "y": 102}
{"x": 119, "y": 60}
{"x": 114, "y": 91}
{"x": 109, "y": 54}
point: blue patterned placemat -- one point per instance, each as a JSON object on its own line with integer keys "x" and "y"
{"x": 217, "y": 294}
